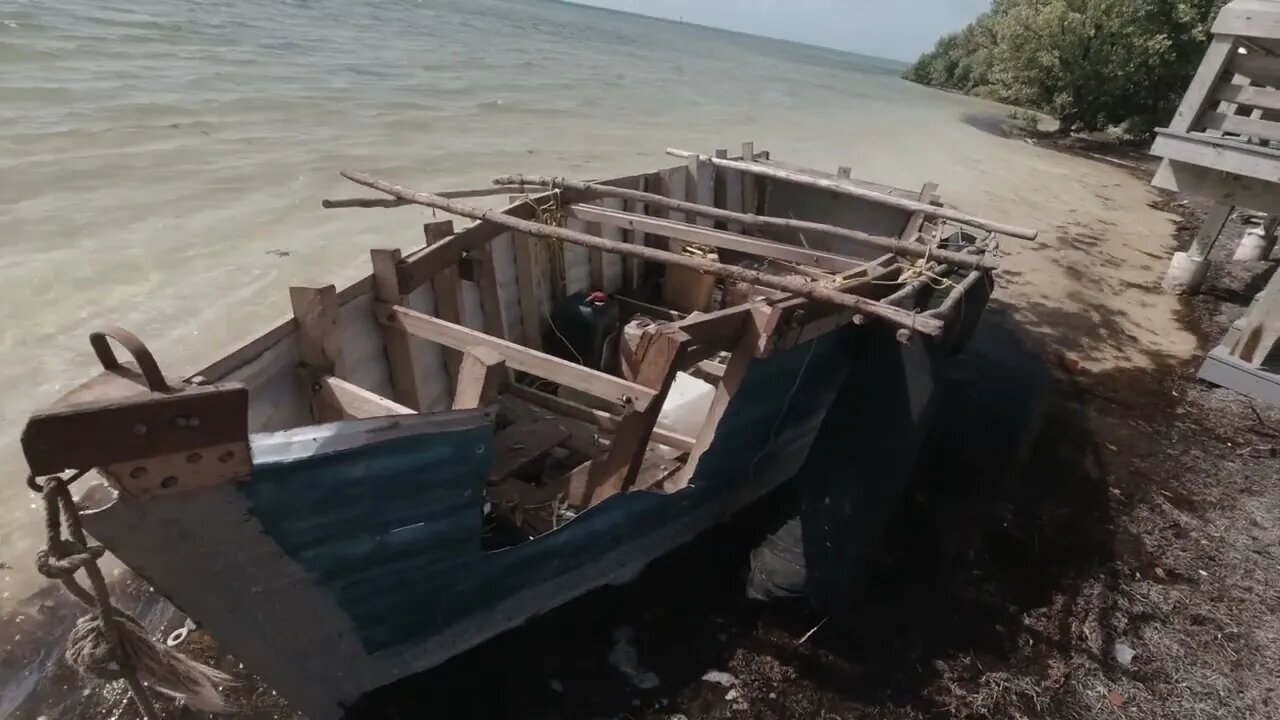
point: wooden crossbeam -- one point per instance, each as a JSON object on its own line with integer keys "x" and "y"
{"x": 608, "y": 422}
{"x": 356, "y": 403}
{"x": 517, "y": 357}
{"x": 715, "y": 238}
{"x": 479, "y": 378}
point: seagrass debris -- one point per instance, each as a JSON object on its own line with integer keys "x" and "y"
{"x": 796, "y": 286}
{"x": 893, "y": 245}
{"x": 846, "y": 188}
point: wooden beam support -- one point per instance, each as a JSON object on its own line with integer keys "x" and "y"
{"x": 316, "y": 311}
{"x": 386, "y": 288}
{"x": 480, "y": 377}
{"x": 714, "y": 238}
{"x": 802, "y": 287}
{"x": 928, "y": 194}
{"x": 356, "y": 403}
{"x": 520, "y": 358}
{"x": 607, "y": 422}
{"x": 527, "y": 286}
{"x": 845, "y": 188}
{"x": 616, "y": 472}
{"x": 486, "y": 280}
{"x": 574, "y": 191}
{"x": 420, "y": 267}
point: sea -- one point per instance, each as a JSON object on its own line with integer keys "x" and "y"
{"x": 162, "y": 163}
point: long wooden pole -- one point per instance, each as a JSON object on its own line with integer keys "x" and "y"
{"x": 893, "y": 245}
{"x": 845, "y": 188}
{"x": 803, "y": 288}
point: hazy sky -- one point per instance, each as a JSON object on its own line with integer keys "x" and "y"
{"x": 898, "y": 29}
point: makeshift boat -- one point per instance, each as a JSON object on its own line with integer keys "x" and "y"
{"x": 520, "y": 411}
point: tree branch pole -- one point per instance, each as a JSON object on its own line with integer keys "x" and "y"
{"x": 892, "y": 245}
{"x": 395, "y": 203}
{"x": 802, "y": 288}
{"x": 846, "y": 188}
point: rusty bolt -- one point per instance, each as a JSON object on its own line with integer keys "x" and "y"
{"x": 169, "y": 482}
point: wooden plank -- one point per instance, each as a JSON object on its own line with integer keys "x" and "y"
{"x": 590, "y": 381}
{"x": 480, "y": 376}
{"x": 595, "y": 258}
{"x": 755, "y": 332}
{"x": 608, "y": 422}
{"x": 1264, "y": 98}
{"x": 435, "y": 231}
{"x": 714, "y": 238}
{"x": 1251, "y": 127}
{"x": 386, "y": 288}
{"x": 631, "y": 267}
{"x": 527, "y": 285}
{"x": 674, "y": 183}
{"x": 927, "y": 194}
{"x": 617, "y": 471}
{"x": 716, "y": 331}
{"x": 486, "y": 279}
{"x": 447, "y": 288}
{"x": 750, "y": 203}
{"x": 315, "y": 309}
{"x": 1262, "y": 69}
{"x": 844, "y": 171}
{"x": 852, "y": 190}
{"x": 703, "y": 188}
{"x": 1260, "y": 331}
{"x": 516, "y": 447}
{"x": 1210, "y": 229}
{"x": 356, "y": 403}
{"x": 1208, "y": 74}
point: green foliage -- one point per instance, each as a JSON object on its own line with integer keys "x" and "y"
{"x": 1091, "y": 63}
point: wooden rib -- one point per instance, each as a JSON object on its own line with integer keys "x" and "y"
{"x": 486, "y": 279}
{"x": 844, "y": 172}
{"x": 527, "y": 285}
{"x": 702, "y": 175}
{"x": 595, "y": 259}
{"x": 446, "y": 286}
{"x": 719, "y": 329}
{"x": 608, "y": 422}
{"x": 395, "y": 203}
{"x": 479, "y": 378}
{"x": 715, "y": 238}
{"x": 754, "y": 332}
{"x": 316, "y": 311}
{"x": 386, "y": 288}
{"x": 749, "y": 200}
{"x": 803, "y": 288}
{"x": 420, "y": 267}
{"x": 590, "y": 381}
{"x": 1251, "y": 127}
{"x": 927, "y": 195}
{"x": 851, "y": 190}
{"x": 575, "y": 191}
{"x": 616, "y": 472}
{"x": 356, "y": 403}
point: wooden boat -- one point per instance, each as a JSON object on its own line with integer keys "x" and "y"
{"x": 414, "y": 463}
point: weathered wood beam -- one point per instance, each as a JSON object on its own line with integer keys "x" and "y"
{"x": 479, "y": 378}
{"x": 574, "y": 191}
{"x": 357, "y": 403}
{"x": 803, "y": 288}
{"x": 714, "y": 238}
{"x": 421, "y": 266}
{"x": 606, "y": 421}
{"x": 590, "y": 381}
{"x": 316, "y": 311}
{"x": 386, "y": 288}
{"x": 851, "y": 190}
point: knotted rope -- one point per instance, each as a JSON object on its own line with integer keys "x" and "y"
{"x": 109, "y": 643}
